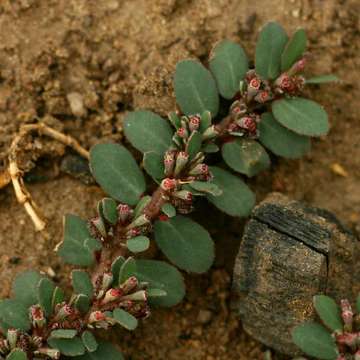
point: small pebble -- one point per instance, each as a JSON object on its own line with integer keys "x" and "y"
{"x": 76, "y": 103}
{"x": 204, "y": 316}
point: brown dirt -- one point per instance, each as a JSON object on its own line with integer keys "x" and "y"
{"x": 119, "y": 55}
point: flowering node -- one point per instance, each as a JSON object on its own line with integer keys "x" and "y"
{"x": 181, "y": 161}
{"x": 37, "y": 316}
{"x": 182, "y": 133}
{"x": 96, "y": 316}
{"x": 254, "y": 83}
{"x": 51, "y": 353}
{"x": 124, "y": 212}
{"x": 210, "y": 133}
{"x": 262, "y": 96}
{"x": 112, "y": 295}
{"x": 347, "y": 314}
{"x": 139, "y": 221}
{"x": 194, "y": 122}
{"x": 248, "y": 123}
{"x": 199, "y": 169}
{"x": 169, "y": 162}
{"x": 136, "y": 296}
{"x": 183, "y": 195}
{"x": 12, "y": 338}
{"x": 64, "y": 312}
{"x": 129, "y": 284}
{"x": 168, "y": 184}
{"x": 132, "y": 233}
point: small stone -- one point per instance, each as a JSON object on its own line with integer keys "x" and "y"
{"x": 76, "y": 103}
{"x": 204, "y": 316}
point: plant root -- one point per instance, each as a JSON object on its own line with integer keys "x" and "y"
{"x": 15, "y": 175}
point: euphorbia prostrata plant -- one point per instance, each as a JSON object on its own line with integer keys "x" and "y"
{"x": 337, "y": 337}
{"x": 229, "y": 107}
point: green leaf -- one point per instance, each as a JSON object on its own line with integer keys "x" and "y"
{"x": 206, "y": 121}
{"x": 89, "y": 341}
{"x": 105, "y": 351}
{"x": 117, "y": 172}
{"x": 160, "y": 275}
{"x": 127, "y": 268}
{"x": 45, "y": 295}
{"x": 125, "y": 319}
{"x": 269, "y": 47}
{"x": 115, "y": 268}
{"x": 58, "y": 297}
{"x": 294, "y": 49}
{"x": 63, "y": 334}
{"x": 210, "y": 148}
{"x": 155, "y": 292}
{"x": 141, "y": 205}
{"x": 358, "y": 304}
{"x": 236, "y": 198}
{"x": 17, "y": 354}
{"x": 138, "y": 244}
{"x": 81, "y": 283}
{"x": 206, "y": 187}
{"x": 305, "y": 117}
{"x": 229, "y": 64}
{"x": 147, "y": 131}
{"x": 24, "y": 287}
{"x": 187, "y": 244}
{"x": 281, "y": 141}
{"x": 82, "y": 303}
{"x": 68, "y": 347}
{"x": 329, "y": 312}
{"x": 13, "y": 314}
{"x": 154, "y": 165}
{"x": 195, "y": 88}
{"x": 174, "y": 119}
{"x": 168, "y": 210}
{"x": 109, "y": 210}
{"x": 245, "y": 156}
{"x": 322, "y": 79}
{"x": 194, "y": 144}
{"x": 73, "y": 249}
{"x": 314, "y": 340}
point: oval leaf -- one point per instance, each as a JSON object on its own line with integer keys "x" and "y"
{"x": 147, "y": 131}
{"x": 160, "y": 275}
{"x": 89, "y": 341}
{"x": 63, "y": 334}
{"x": 328, "y": 311}
{"x": 81, "y": 283}
{"x": 236, "y": 198}
{"x": 17, "y": 354}
{"x": 314, "y": 340}
{"x": 168, "y": 210}
{"x": 195, "y": 88}
{"x": 117, "y": 172}
{"x": 269, "y": 47}
{"x": 125, "y": 319}
{"x": 25, "y": 287}
{"x": 305, "y": 117}
{"x": 109, "y": 210}
{"x": 105, "y": 351}
{"x": 208, "y": 187}
{"x": 154, "y": 165}
{"x": 13, "y": 314}
{"x": 229, "y": 64}
{"x": 281, "y": 141}
{"x": 185, "y": 243}
{"x": 68, "y": 347}
{"x": 322, "y": 79}
{"x": 46, "y": 290}
{"x": 245, "y": 156}
{"x": 294, "y": 49}
{"x": 73, "y": 249}
{"x": 138, "y": 244}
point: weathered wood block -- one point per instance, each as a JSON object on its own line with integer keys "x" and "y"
{"x": 289, "y": 253}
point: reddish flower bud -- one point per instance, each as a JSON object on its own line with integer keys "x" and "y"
{"x": 168, "y": 184}
{"x": 129, "y": 285}
{"x": 124, "y": 211}
{"x": 169, "y": 162}
{"x": 346, "y": 314}
{"x": 348, "y": 339}
{"x": 299, "y": 65}
{"x": 194, "y": 122}
{"x": 183, "y": 195}
{"x": 255, "y": 83}
{"x": 133, "y": 232}
{"x": 232, "y": 127}
{"x": 96, "y": 316}
{"x": 181, "y": 161}
{"x": 112, "y": 295}
{"x": 200, "y": 169}
{"x": 262, "y": 96}
{"x": 163, "y": 217}
{"x": 182, "y": 132}
{"x": 247, "y": 123}
{"x": 64, "y": 312}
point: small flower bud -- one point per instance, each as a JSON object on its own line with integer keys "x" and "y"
{"x": 194, "y": 122}
{"x": 200, "y": 169}
{"x": 99, "y": 226}
{"x": 232, "y": 127}
{"x": 247, "y": 123}
{"x": 139, "y": 221}
{"x": 181, "y": 161}
{"x": 129, "y": 284}
{"x": 124, "y": 212}
{"x": 357, "y": 355}
{"x": 37, "y": 316}
{"x": 255, "y": 83}
{"x": 51, "y": 353}
{"x": 96, "y": 316}
{"x": 298, "y": 66}
{"x": 346, "y": 314}
{"x": 262, "y": 96}
{"x": 132, "y": 233}
{"x": 168, "y": 184}
{"x": 348, "y": 339}
{"x": 136, "y": 296}
{"x": 106, "y": 281}
{"x": 12, "y": 338}
{"x": 210, "y": 133}
{"x": 112, "y": 295}
{"x": 64, "y": 312}
{"x": 182, "y": 133}
{"x": 169, "y": 162}
{"x": 183, "y": 195}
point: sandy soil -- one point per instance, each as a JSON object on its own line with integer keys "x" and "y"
{"x": 119, "y": 55}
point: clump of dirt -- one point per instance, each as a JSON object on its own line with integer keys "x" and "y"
{"x": 82, "y": 64}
